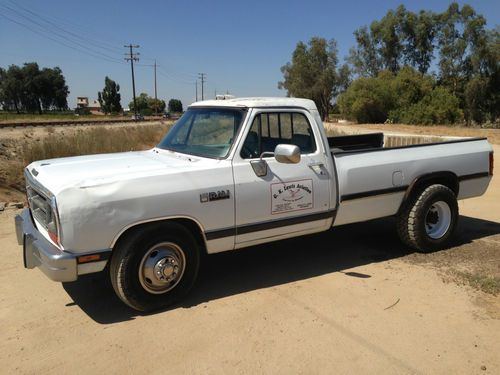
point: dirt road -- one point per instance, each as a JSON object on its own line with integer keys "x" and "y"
{"x": 352, "y": 300}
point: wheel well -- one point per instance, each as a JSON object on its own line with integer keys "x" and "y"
{"x": 192, "y": 226}
{"x": 419, "y": 184}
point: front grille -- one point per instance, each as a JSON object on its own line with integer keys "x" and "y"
{"x": 40, "y": 206}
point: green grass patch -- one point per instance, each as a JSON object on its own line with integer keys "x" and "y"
{"x": 488, "y": 284}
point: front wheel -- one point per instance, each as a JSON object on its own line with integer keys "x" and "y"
{"x": 428, "y": 221}
{"x": 155, "y": 266}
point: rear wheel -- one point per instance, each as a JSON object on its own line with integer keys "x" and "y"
{"x": 427, "y": 222}
{"x": 155, "y": 266}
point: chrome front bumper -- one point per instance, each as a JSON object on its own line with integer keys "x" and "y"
{"x": 39, "y": 252}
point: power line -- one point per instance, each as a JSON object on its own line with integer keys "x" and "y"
{"x": 133, "y": 57}
{"x": 52, "y": 31}
{"x": 72, "y": 34}
{"x": 60, "y": 32}
{"x": 46, "y": 29}
{"x": 42, "y": 33}
{"x": 172, "y": 77}
{"x": 81, "y": 29}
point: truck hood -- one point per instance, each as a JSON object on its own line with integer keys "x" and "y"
{"x": 93, "y": 170}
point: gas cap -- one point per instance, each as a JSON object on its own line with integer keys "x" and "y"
{"x": 397, "y": 178}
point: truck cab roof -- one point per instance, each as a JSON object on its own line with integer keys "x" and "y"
{"x": 259, "y": 102}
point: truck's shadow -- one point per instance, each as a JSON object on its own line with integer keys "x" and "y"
{"x": 273, "y": 264}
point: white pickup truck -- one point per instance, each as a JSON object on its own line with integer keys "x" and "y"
{"x": 228, "y": 175}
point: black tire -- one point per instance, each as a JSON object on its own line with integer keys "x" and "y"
{"x": 128, "y": 259}
{"x": 420, "y": 215}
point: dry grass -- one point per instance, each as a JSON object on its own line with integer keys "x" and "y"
{"x": 93, "y": 141}
{"x": 82, "y": 141}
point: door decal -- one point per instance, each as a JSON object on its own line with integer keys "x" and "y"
{"x": 291, "y": 196}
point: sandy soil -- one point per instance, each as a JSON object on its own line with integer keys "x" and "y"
{"x": 352, "y": 300}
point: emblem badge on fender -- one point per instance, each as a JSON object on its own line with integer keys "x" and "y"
{"x": 214, "y": 196}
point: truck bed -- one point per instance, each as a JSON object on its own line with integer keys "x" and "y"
{"x": 373, "y": 180}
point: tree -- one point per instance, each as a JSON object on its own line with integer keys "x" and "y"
{"x": 467, "y": 58}
{"x": 157, "y": 105}
{"x": 419, "y": 32}
{"x": 313, "y": 73}
{"x": 380, "y": 46}
{"x": 147, "y": 105}
{"x": 468, "y": 64}
{"x": 174, "y": 105}
{"x": 11, "y": 88}
{"x": 364, "y": 57}
{"x": 389, "y": 36}
{"x": 109, "y": 98}
{"x": 30, "y": 89}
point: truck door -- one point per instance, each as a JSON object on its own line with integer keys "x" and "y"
{"x": 290, "y": 199}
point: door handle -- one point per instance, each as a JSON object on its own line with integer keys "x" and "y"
{"x": 317, "y": 167}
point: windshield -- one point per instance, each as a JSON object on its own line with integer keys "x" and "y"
{"x": 207, "y": 132}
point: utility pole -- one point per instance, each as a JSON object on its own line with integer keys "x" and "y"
{"x": 156, "y": 96}
{"x": 133, "y": 57}
{"x": 202, "y": 77}
{"x": 196, "y": 84}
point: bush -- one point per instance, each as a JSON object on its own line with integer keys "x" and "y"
{"x": 147, "y": 112}
{"x": 438, "y": 107}
{"x": 367, "y": 100}
{"x": 408, "y": 97}
{"x": 476, "y": 101}
{"x": 82, "y": 111}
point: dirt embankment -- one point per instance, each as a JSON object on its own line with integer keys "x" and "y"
{"x": 493, "y": 135}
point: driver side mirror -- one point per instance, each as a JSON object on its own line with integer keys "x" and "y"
{"x": 283, "y": 153}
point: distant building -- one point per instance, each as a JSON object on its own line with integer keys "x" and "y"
{"x": 82, "y": 102}
{"x": 93, "y": 106}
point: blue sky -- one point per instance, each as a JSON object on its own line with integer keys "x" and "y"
{"x": 239, "y": 45}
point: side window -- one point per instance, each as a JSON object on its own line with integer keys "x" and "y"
{"x": 251, "y": 147}
{"x": 271, "y": 129}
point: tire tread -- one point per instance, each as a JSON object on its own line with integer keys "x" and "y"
{"x": 409, "y": 219}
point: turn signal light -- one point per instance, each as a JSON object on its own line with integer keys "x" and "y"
{"x": 88, "y": 258}
{"x": 52, "y": 230}
{"x": 53, "y": 237}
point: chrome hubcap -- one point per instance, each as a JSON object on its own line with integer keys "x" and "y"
{"x": 162, "y": 267}
{"x": 438, "y": 220}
